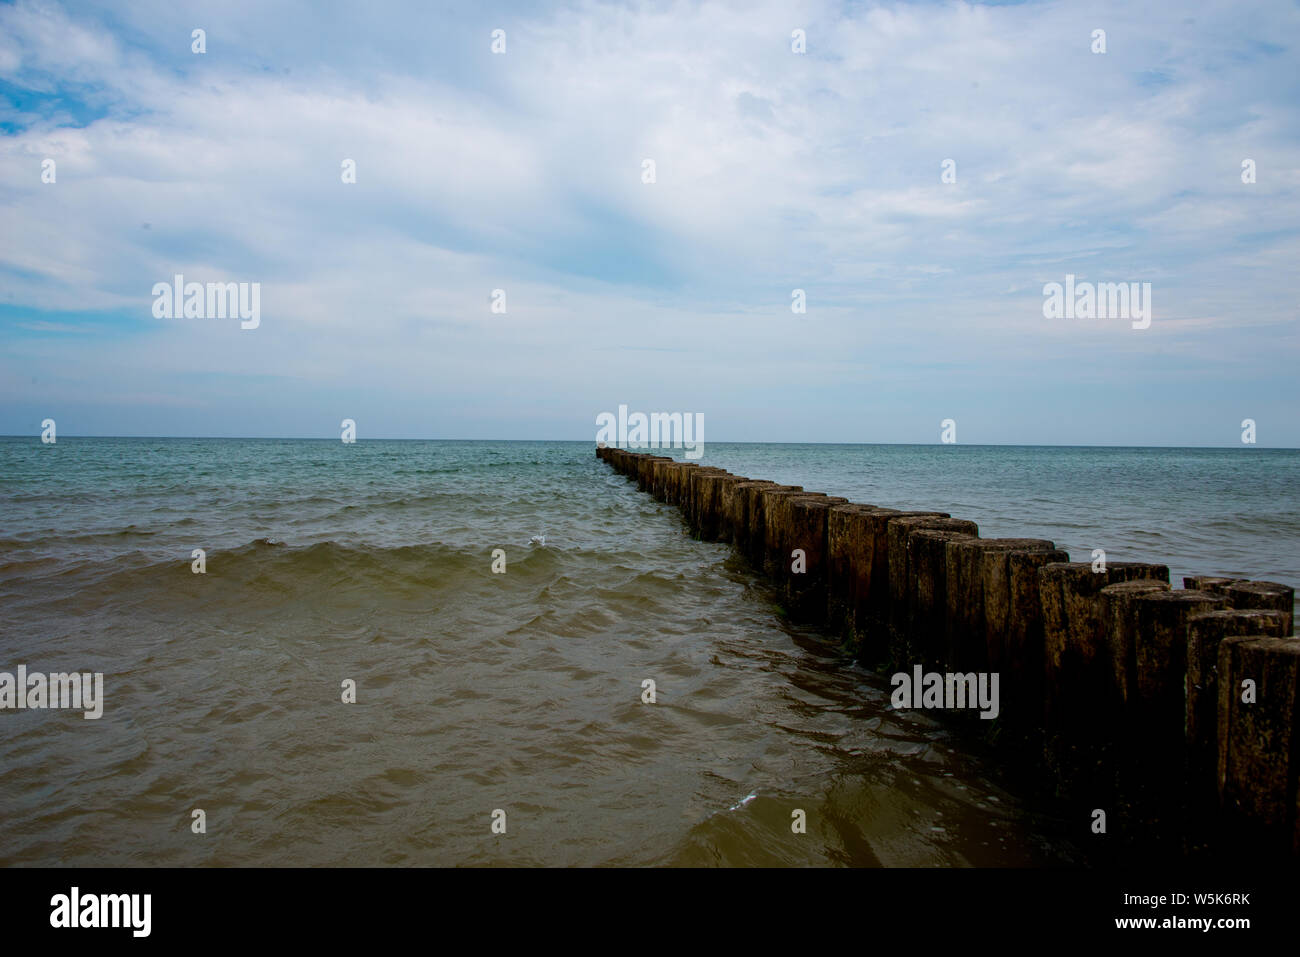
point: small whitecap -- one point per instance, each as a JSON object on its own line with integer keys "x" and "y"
{"x": 737, "y": 807}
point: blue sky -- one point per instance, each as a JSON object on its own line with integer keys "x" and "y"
{"x": 775, "y": 171}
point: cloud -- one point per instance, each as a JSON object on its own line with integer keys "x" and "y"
{"x": 522, "y": 172}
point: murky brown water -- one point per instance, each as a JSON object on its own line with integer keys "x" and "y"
{"x": 519, "y": 691}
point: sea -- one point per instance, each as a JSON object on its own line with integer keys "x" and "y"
{"x": 482, "y": 653}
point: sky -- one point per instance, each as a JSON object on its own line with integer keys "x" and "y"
{"x": 774, "y": 170}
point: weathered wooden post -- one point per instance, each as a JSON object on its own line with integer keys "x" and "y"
{"x": 1268, "y": 596}
{"x": 874, "y": 622}
{"x": 965, "y": 645}
{"x": 1259, "y": 757}
{"x": 1013, "y": 622}
{"x": 696, "y": 481}
{"x": 805, "y": 568}
{"x": 903, "y": 636}
{"x": 1119, "y": 630}
{"x": 1075, "y": 645}
{"x": 773, "y": 517}
{"x": 708, "y": 506}
{"x": 1160, "y": 676}
{"x": 736, "y": 502}
{"x": 848, "y": 565}
{"x": 927, "y": 557}
{"x": 1206, "y": 632}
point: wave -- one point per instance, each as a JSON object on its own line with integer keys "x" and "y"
{"x": 271, "y": 566}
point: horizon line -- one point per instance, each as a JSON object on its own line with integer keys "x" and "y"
{"x": 646, "y": 448}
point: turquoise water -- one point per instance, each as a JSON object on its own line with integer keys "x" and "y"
{"x": 518, "y": 691}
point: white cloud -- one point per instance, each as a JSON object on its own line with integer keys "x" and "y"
{"x": 775, "y": 171}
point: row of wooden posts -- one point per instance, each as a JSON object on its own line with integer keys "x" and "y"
{"x": 1175, "y": 712}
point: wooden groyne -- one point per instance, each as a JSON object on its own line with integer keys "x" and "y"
{"x": 1159, "y": 715}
